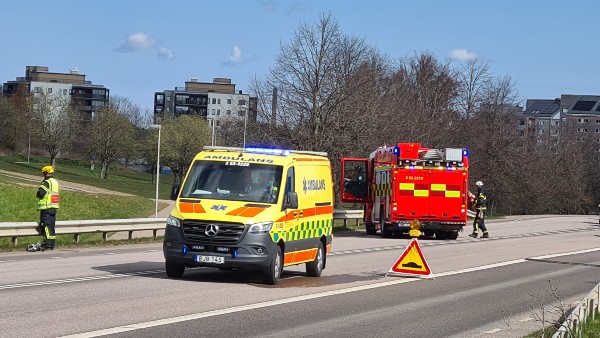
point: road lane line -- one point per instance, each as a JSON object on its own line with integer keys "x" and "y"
{"x": 179, "y": 319}
{"x": 79, "y": 279}
{"x": 168, "y": 321}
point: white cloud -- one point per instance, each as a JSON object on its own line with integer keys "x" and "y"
{"x": 462, "y": 55}
{"x": 236, "y": 55}
{"x": 165, "y": 53}
{"x": 135, "y": 42}
{"x": 269, "y": 6}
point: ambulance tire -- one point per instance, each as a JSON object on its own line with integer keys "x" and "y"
{"x": 272, "y": 274}
{"x": 452, "y": 234}
{"x": 315, "y": 268}
{"x": 174, "y": 270}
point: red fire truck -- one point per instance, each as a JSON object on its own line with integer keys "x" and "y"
{"x": 407, "y": 188}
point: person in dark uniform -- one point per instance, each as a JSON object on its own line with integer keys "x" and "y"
{"x": 48, "y": 197}
{"x": 480, "y": 201}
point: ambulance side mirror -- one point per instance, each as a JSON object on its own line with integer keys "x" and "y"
{"x": 174, "y": 191}
{"x": 290, "y": 201}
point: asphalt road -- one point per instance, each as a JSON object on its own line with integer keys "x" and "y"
{"x": 487, "y": 288}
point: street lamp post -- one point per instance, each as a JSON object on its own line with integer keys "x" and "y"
{"x": 157, "y": 126}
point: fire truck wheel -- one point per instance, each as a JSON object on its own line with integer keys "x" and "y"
{"x": 314, "y": 268}
{"x": 441, "y": 234}
{"x": 370, "y": 228}
{"x": 429, "y": 233}
{"x": 385, "y": 233}
{"x": 452, "y": 234}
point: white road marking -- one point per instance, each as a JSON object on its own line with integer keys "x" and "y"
{"x": 492, "y": 331}
{"x": 167, "y": 321}
{"x": 55, "y": 257}
{"x": 80, "y": 279}
{"x": 5, "y": 261}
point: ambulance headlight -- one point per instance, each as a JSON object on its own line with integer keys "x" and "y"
{"x": 174, "y": 222}
{"x": 260, "y": 227}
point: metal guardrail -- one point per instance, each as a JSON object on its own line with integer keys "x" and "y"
{"x": 586, "y": 309}
{"x": 14, "y": 230}
{"x": 76, "y": 228}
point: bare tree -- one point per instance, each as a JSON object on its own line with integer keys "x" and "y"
{"x": 55, "y": 123}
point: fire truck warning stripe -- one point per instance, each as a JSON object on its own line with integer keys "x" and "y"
{"x": 438, "y": 187}
{"x": 407, "y": 186}
{"x": 452, "y": 193}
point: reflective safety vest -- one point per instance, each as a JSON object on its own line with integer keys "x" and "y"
{"x": 50, "y": 199}
{"x": 481, "y": 200}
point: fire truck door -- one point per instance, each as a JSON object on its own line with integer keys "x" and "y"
{"x": 381, "y": 193}
{"x": 354, "y": 186}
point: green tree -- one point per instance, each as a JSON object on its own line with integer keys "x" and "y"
{"x": 181, "y": 139}
{"x": 110, "y": 135}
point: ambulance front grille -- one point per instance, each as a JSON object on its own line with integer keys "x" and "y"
{"x": 226, "y": 233}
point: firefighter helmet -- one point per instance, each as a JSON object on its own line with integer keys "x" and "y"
{"x": 479, "y": 184}
{"x": 47, "y": 169}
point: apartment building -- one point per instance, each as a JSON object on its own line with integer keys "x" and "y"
{"x": 215, "y": 101}
{"x": 574, "y": 116}
{"x": 38, "y": 79}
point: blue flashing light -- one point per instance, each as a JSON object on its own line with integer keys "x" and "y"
{"x": 185, "y": 249}
{"x": 465, "y": 152}
{"x": 268, "y": 151}
{"x": 234, "y": 253}
{"x": 411, "y": 167}
{"x": 396, "y": 151}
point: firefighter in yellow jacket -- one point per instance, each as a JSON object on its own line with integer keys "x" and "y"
{"x": 48, "y": 197}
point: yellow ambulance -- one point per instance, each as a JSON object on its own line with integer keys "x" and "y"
{"x": 252, "y": 209}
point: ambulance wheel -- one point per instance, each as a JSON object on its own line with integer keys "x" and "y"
{"x": 272, "y": 274}
{"x": 314, "y": 268}
{"x": 452, "y": 234}
{"x": 174, "y": 270}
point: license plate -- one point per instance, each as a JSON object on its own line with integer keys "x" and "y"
{"x": 209, "y": 259}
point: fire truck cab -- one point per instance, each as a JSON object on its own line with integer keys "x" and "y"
{"x": 407, "y": 188}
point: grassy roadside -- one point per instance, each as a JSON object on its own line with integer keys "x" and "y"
{"x": 19, "y": 202}
{"x": 119, "y": 178}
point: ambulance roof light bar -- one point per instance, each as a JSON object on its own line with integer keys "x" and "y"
{"x": 267, "y": 151}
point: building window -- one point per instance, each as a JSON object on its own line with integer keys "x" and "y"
{"x": 214, "y": 101}
{"x": 212, "y": 112}
{"x": 598, "y": 130}
{"x": 597, "y": 121}
{"x": 218, "y": 101}
{"x": 229, "y": 102}
{"x": 242, "y": 112}
{"x": 541, "y": 123}
{"x": 37, "y": 89}
{"x": 218, "y": 111}
{"x": 242, "y": 102}
{"x": 228, "y": 111}
{"x": 64, "y": 91}
{"x": 49, "y": 90}
{"x": 168, "y": 99}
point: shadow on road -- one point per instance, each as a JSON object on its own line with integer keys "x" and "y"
{"x": 289, "y": 279}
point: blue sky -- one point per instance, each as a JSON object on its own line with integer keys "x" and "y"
{"x": 136, "y": 48}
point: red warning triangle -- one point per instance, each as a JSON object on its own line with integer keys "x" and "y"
{"x": 412, "y": 261}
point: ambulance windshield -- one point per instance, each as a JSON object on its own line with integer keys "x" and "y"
{"x": 233, "y": 181}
